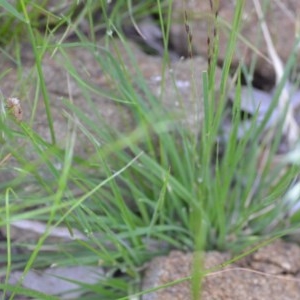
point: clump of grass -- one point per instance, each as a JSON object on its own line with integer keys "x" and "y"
{"x": 151, "y": 186}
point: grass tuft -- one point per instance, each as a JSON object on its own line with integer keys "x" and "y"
{"x": 141, "y": 193}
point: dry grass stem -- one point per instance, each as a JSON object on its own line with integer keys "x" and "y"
{"x": 290, "y": 126}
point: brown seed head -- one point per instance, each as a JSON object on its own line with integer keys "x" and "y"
{"x": 14, "y": 107}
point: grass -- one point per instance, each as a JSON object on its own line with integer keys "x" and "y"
{"x": 152, "y": 185}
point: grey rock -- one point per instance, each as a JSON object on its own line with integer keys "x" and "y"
{"x": 57, "y": 280}
{"x": 280, "y": 19}
{"x": 79, "y": 78}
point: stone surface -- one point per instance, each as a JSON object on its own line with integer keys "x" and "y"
{"x": 80, "y": 78}
{"x": 273, "y": 272}
{"x": 59, "y": 281}
{"x": 81, "y": 82}
{"x": 280, "y": 18}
